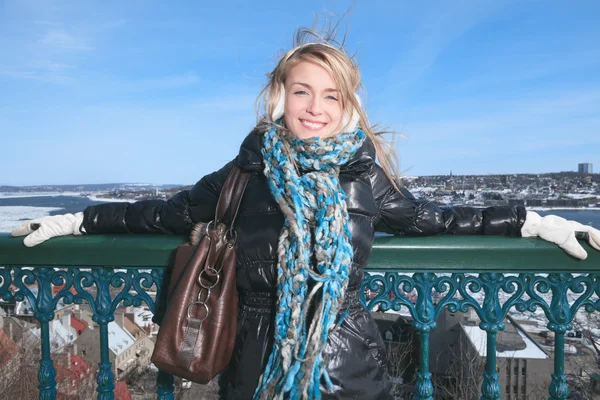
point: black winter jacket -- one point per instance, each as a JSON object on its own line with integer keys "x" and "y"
{"x": 355, "y": 350}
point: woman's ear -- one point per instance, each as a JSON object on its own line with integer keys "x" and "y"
{"x": 351, "y": 118}
{"x": 278, "y": 105}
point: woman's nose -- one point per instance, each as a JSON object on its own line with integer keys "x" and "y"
{"x": 315, "y": 106}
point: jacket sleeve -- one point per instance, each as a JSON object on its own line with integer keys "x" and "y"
{"x": 174, "y": 216}
{"x": 401, "y": 214}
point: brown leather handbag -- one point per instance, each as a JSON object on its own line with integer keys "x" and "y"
{"x": 197, "y": 334}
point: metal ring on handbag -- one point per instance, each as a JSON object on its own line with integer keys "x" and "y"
{"x": 208, "y": 227}
{"x": 212, "y": 270}
{"x": 199, "y": 298}
{"x": 189, "y": 315}
{"x": 231, "y": 236}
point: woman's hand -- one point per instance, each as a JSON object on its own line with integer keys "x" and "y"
{"x": 42, "y": 229}
{"x": 561, "y": 232}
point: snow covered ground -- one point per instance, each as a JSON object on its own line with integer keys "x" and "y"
{"x": 92, "y": 196}
{"x": 107, "y": 199}
{"x": 13, "y": 195}
{"x": 13, "y": 216}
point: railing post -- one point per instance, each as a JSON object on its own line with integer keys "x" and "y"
{"x": 44, "y": 312}
{"x": 558, "y": 387}
{"x": 103, "y": 309}
{"x": 425, "y": 316}
{"x": 165, "y": 386}
{"x": 561, "y": 315}
{"x": 424, "y": 387}
{"x": 105, "y": 377}
{"x": 46, "y": 373}
{"x": 492, "y": 314}
{"x": 490, "y": 389}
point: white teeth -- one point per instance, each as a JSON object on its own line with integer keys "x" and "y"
{"x": 312, "y": 125}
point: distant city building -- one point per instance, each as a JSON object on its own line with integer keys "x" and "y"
{"x": 585, "y": 168}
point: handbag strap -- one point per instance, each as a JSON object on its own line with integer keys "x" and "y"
{"x": 231, "y": 196}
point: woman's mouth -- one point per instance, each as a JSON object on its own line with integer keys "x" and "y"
{"x": 312, "y": 125}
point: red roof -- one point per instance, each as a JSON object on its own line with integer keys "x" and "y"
{"x": 78, "y": 325}
{"x": 77, "y": 372}
{"x": 8, "y": 348}
{"x": 58, "y": 288}
{"x": 122, "y": 391}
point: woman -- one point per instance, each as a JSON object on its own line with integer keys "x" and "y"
{"x": 305, "y": 229}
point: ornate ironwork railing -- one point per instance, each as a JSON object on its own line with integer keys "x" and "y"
{"x": 490, "y": 275}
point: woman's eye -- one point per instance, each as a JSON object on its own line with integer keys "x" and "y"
{"x": 332, "y": 98}
{"x": 300, "y": 92}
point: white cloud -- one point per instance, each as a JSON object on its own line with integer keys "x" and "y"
{"x": 525, "y": 67}
{"x": 49, "y": 59}
{"x": 226, "y": 104}
{"x": 62, "y": 40}
{"x": 437, "y": 27}
{"x": 40, "y": 70}
{"x": 166, "y": 82}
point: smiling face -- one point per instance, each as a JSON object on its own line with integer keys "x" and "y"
{"x": 313, "y": 105}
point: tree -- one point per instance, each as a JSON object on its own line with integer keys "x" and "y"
{"x": 19, "y": 374}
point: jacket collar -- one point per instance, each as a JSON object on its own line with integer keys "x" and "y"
{"x": 250, "y": 157}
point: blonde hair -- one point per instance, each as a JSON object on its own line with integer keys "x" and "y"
{"x": 329, "y": 54}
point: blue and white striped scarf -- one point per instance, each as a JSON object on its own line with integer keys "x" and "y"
{"x": 315, "y": 231}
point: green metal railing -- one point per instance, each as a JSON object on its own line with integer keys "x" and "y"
{"x": 454, "y": 268}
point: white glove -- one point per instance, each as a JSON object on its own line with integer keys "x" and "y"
{"x": 561, "y": 232}
{"x": 42, "y": 229}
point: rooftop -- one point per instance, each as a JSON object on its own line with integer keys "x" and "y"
{"x": 508, "y": 345}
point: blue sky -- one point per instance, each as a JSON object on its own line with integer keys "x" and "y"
{"x": 163, "y": 92}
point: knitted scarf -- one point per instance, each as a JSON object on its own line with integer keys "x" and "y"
{"x": 314, "y": 257}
